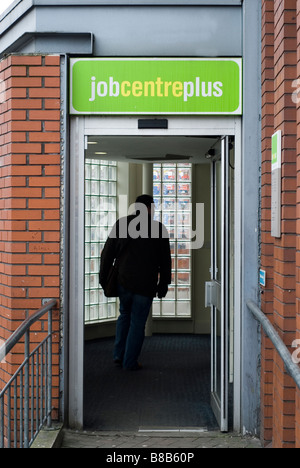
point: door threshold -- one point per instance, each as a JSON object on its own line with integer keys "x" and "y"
{"x": 172, "y": 430}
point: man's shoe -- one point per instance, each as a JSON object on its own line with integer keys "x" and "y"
{"x": 137, "y": 367}
{"x": 118, "y": 362}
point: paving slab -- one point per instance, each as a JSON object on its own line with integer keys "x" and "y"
{"x": 157, "y": 440}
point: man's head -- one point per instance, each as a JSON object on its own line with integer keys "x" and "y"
{"x": 146, "y": 200}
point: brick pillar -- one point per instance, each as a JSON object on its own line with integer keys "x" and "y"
{"x": 267, "y": 245}
{"x": 285, "y": 45}
{"x": 29, "y": 194}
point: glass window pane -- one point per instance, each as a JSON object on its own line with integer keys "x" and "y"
{"x": 157, "y": 203}
{"x": 172, "y": 293}
{"x": 183, "y": 309}
{"x": 184, "y": 218}
{"x": 173, "y": 190}
{"x": 100, "y": 216}
{"x": 169, "y": 204}
{"x": 88, "y": 187}
{"x": 169, "y": 174}
{"x": 156, "y": 174}
{"x": 184, "y": 173}
{"x": 184, "y": 189}
{"x": 169, "y": 190}
{"x": 183, "y": 263}
{"x": 184, "y": 232}
{"x": 104, "y": 172}
{"x": 172, "y": 246}
{"x": 104, "y": 187}
{"x": 112, "y": 188}
{"x": 184, "y": 204}
{"x": 156, "y": 190}
{"x": 184, "y": 293}
{"x": 183, "y": 278}
{"x": 183, "y": 248}
{"x": 156, "y": 309}
{"x": 112, "y": 173}
{"x": 168, "y": 309}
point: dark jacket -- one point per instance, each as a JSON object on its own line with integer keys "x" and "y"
{"x": 145, "y": 262}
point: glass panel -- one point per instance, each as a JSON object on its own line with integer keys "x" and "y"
{"x": 218, "y": 356}
{"x": 184, "y": 173}
{"x": 183, "y": 263}
{"x": 184, "y": 278}
{"x": 169, "y": 190}
{"x": 183, "y": 309}
{"x": 184, "y": 189}
{"x": 183, "y": 248}
{"x": 156, "y": 309}
{"x": 100, "y": 216}
{"x": 172, "y": 196}
{"x": 169, "y": 204}
{"x": 156, "y": 190}
{"x": 168, "y": 309}
{"x": 169, "y": 174}
{"x": 157, "y": 174}
{"x": 219, "y": 220}
{"x": 184, "y": 293}
{"x": 220, "y": 229}
{"x": 172, "y": 293}
{"x": 173, "y": 248}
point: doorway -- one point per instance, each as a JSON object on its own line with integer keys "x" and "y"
{"x": 180, "y": 144}
{"x": 117, "y": 170}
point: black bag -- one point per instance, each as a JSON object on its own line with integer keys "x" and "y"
{"x": 111, "y": 287}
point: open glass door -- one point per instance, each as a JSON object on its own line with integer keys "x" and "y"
{"x": 217, "y": 291}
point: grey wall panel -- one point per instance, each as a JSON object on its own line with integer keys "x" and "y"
{"x": 250, "y": 212}
{"x": 152, "y": 31}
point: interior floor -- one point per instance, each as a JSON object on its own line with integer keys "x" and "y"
{"x": 171, "y": 391}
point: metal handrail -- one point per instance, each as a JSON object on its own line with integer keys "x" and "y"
{"x": 291, "y": 367}
{"x": 26, "y": 400}
{"x": 20, "y": 332}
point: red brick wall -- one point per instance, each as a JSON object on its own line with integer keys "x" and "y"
{"x": 296, "y": 88}
{"x": 279, "y": 256}
{"x": 285, "y": 46}
{"x": 267, "y": 245}
{"x": 29, "y": 192}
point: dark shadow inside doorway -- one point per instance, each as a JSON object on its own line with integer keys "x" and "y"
{"x": 171, "y": 391}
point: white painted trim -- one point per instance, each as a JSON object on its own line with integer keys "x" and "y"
{"x": 178, "y": 126}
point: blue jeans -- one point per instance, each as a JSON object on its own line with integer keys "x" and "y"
{"x": 130, "y": 333}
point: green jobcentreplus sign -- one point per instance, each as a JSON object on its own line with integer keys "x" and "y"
{"x": 156, "y": 86}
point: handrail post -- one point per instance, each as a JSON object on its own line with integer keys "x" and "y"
{"x": 49, "y": 397}
{"x": 26, "y": 390}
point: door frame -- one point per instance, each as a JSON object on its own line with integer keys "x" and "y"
{"x": 221, "y": 302}
{"x": 119, "y": 126}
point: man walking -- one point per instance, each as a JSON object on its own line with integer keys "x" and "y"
{"x": 144, "y": 272}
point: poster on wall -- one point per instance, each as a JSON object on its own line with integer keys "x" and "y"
{"x": 156, "y": 86}
{"x": 276, "y": 185}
